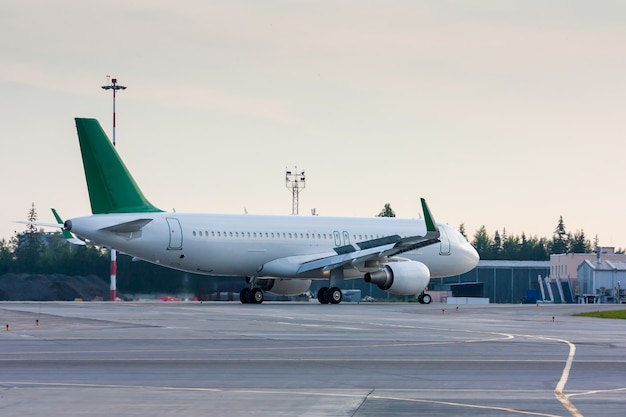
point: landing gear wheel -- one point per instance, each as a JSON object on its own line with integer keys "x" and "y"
{"x": 256, "y": 295}
{"x": 334, "y": 295}
{"x": 424, "y": 298}
{"x": 322, "y": 295}
{"x": 244, "y": 295}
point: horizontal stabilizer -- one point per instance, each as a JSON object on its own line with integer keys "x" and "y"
{"x": 42, "y": 224}
{"x": 128, "y": 227}
{"x": 69, "y": 236}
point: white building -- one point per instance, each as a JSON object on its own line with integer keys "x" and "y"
{"x": 602, "y": 281}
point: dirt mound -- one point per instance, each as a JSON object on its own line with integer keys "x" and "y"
{"x": 54, "y": 287}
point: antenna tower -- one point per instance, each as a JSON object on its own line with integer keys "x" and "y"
{"x": 295, "y": 181}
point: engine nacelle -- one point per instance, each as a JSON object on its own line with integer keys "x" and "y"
{"x": 402, "y": 278}
{"x": 282, "y": 286}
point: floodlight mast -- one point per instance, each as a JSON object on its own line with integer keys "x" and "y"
{"x": 113, "y": 85}
{"x": 295, "y": 181}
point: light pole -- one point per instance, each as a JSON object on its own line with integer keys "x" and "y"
{"x": 295, "y": 181}
{"x": 113, "y": 85}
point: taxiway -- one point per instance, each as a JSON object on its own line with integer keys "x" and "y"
{"x": 275, "y": 359}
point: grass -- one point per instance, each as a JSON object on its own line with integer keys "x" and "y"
{"x": 610, "y": 314}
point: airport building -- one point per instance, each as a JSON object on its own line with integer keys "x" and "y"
{"x": 499, "y": 281}
{"x": 566, "y": 278}
{"x": 589, "y": 277}
{"x": 602, "y": 282}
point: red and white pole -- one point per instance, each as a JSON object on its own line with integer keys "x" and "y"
{"x": 113, "y": 289}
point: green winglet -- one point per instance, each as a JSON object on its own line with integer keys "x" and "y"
{"x": 111, "y": 187}
{"x": 66, "y": 234}
{"x": 431, "y": 225}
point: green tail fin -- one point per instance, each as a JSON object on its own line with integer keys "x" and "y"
{"x": 111, "y": 187}
{"x": 431, "y": 225}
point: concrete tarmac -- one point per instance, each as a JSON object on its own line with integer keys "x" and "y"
{"x": 307, "y": 359}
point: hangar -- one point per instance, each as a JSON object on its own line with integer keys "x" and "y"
{"x": 502, "y": 281}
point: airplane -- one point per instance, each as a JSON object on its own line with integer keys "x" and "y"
{"x": 281, "y": 254}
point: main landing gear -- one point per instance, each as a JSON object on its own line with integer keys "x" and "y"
{"x": 330, "y": 295}
{"x": 424, "y": 298}
{"x": 251, "y": 296}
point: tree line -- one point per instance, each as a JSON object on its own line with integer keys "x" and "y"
{"x": 502, "y": 246}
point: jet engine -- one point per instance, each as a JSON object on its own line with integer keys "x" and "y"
{"x": 402, "y": 278}
{"x": 282, "y": 286}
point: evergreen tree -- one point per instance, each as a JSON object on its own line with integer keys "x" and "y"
{"x": 524, "y": 249}
{"x": 6, "y": 257}
{"x": 58, "y": 256}
{"x": 540, "y": 249}
{"x": 559, "y": 238}
{"x": 496, "y": 248}
{"x": 387, "y": 211}
{"x": 511, "y": 249}
{"x": 89, "y": 260}
{"x": 30, "y": 246}
{"x": 482, "y": 243}
{"x": 579, "y": 243}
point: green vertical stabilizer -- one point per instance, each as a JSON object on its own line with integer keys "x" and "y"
{"x": 111, "y": 187}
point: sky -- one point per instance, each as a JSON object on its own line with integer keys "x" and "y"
{"x": 501, "y": 113}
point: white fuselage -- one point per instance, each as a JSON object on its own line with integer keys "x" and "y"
{"x": 239, "y": 245}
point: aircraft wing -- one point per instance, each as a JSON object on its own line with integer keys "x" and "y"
{"x": 375, "y": 249}
{"x": 355, "y": 256}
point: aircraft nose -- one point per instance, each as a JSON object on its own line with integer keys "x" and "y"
{"x": 474, "y": 257}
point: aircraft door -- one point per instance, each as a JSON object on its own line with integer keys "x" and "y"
{"x": 176, "y": 234}
{"x": 337, "y": 238}
{"x": 444, "y": 245}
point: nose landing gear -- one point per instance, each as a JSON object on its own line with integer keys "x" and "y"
{"x": 251, "y": 295}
